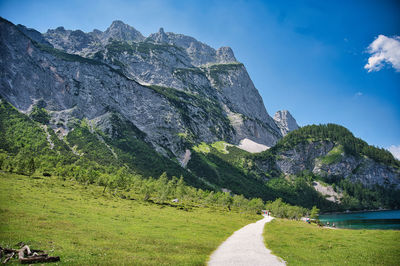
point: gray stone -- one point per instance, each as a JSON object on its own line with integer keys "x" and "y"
{"x": 308, "y": 156}
{"x": 285, "y": 121}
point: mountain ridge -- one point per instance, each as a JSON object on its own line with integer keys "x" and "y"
{"x": 221, "y": 84}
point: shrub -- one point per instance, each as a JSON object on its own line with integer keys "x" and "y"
{"x": 40, "y": 115}
{"x": 280, "y": 209}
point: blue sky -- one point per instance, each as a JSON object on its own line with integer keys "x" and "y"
{"x": 304, "y": 56}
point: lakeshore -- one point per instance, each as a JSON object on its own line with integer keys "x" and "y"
{"x": 383, "y": 219}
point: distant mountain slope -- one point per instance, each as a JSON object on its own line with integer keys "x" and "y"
{"x": 332, "y": 150}
{"x": 369, "y": 175}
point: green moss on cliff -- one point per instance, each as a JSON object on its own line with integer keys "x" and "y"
{"x": 333, "y": 156}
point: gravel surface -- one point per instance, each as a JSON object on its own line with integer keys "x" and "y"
{"x": 327, "y": 190}
{"x": 246, "y": 247}
{"x": 251, "y": 146}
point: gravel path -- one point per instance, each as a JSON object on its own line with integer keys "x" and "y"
{"x": 245, "y": 247}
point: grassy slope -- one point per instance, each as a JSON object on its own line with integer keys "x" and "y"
{"x": 299, "y": 243}
{"x": 223, "y": 170}
{"x": 85, "y": 227}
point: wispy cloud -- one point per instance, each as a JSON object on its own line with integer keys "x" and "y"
{"x": 384, "y": 50}
{"x": 395, "y": 150}
{"x": 358, "y": 94}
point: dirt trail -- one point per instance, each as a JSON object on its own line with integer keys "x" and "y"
{"x": 245, "y": 247}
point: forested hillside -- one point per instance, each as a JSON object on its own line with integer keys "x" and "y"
{"x": 366, "y": 176}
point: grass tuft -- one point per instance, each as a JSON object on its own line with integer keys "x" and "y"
{"x": 202, "y": 147}
{"x": 334, "y": 155}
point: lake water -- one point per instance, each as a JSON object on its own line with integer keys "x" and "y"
{"x": 364, "y": 220}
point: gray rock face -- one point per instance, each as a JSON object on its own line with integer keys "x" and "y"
{"x": 285, "y": 121}
{"x": 205, "y": 95}
{"x": 363, "y": 170}
{"x": 370, "y": 173}
{"x": 68, "y": 40}
{"x": 309, "y": 156}
{"x": 121, "y": 32}
{"x": 79, "y": 42}
{"x": 198, "y": 52}
{"x": 33, "y": 34}
{"x": 302, "y": 157}
{"x": 225, "y": 55}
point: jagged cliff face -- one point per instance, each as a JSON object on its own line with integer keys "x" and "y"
{"x": 363, "y": 170}
{"x": 285, "y": 121}
{"x": 203, "y": 94}
{"x": 79, "y": 42}
{"x": 327, "y": 159}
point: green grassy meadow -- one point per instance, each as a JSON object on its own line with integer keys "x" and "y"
{"x": 86, "y": 227}
{"x": 299, "y": 243}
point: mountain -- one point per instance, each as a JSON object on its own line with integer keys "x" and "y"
{"x": 332, "y": 152}
{"x": 176, "y": 89}
{"x": 76, "y": 41}
{"x": 285, "y": 121}
{"x": 86, "y": 105}
{"x": 363, "y": 176}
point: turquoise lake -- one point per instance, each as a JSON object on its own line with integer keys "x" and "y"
{"x": 364, "y": 220}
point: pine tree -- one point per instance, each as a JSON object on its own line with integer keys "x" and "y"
{"x": 31, "y": 167}
{"x": 314, "y": 213}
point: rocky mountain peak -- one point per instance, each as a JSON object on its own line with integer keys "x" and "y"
{"x": 225, "y": 55}
{"x": 118, "y": 30}
{"x": 199, "y": 53}
{"x": 33, "y": 34}
{"x": 160, "y": 36}
{"x": 117, "y": 24}
{"x": 60, "y": 29}
{"x": 285, "y": 121}
{"x": 96, "y": 33}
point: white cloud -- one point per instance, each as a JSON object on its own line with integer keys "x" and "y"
{"x": 358, "y": 94}
{"x": 384, "y": 50}
{"x": 395, "y": 150}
